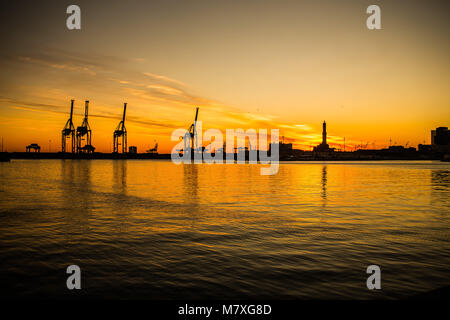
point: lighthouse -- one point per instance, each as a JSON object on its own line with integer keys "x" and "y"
{"x": 323, "y": 147}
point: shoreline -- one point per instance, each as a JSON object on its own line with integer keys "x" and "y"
{"x": 146, "y": 156}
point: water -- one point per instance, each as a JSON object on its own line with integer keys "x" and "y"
{"x": 152, "y": 229}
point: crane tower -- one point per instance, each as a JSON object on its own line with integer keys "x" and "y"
{"x": 121, "y": 131}
{"x": 68, "y": 131}
{"x": 190, "y": 143}
{"x": 84, "y": 133}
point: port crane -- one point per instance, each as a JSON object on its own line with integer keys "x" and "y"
{"x": 190, "y": 143}
{"x": 154, "y": 149}
{"x": 120, "y": 131}
{"x": 84, "y": 133}
{"x": 68, "y": 131}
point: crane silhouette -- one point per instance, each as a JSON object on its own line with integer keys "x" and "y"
{"x": 120, "y": 131}
{"x": 190, "y": 143}
{"x": 68, "y": 131}
{"x": 85, "y": 131}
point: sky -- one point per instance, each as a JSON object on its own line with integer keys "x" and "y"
{"x": 247, "y": 64}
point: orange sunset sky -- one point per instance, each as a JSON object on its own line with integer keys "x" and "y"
{"x": 246, "y": 64}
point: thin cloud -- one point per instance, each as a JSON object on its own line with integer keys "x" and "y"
{"x": 164, "y": 78}
{"x": 34, "y": 107}
{"x": 61, "y": 66}
{"x": 149, "y": 89}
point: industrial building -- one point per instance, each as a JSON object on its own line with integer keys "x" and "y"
{"x": 440, "y": 142}
{"x": 440, "y": 136}
{"x": 132, "y": 150}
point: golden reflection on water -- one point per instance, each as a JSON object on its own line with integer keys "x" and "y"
{"x": 328, "y": 215}
{"x": 306, "y": 192}
{"x": 295, "y": 189}
{"x": 229, "y": 194}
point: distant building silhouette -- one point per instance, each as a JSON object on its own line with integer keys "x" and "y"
{"x": 132, "y": 149}
{"x": 86, "y": 149}
{"x": 441, "y": 136}
{"x": 33, "y": 146}
{"x": 284, "y": 149}
{"x": 399, "y": 149}
{"x": 440, "y": 142}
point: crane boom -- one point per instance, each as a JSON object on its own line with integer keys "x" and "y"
{"x": 194, "y": 143}
{"x": 71, "y": 109}
{"x": 196, "y": 114}
{"x": 124, "y": 111}
{"x": 86, "y": 109}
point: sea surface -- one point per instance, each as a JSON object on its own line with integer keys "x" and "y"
{"x": 156, "y": 230}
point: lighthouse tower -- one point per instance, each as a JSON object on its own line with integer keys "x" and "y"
{"x": 324, "y": 147}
